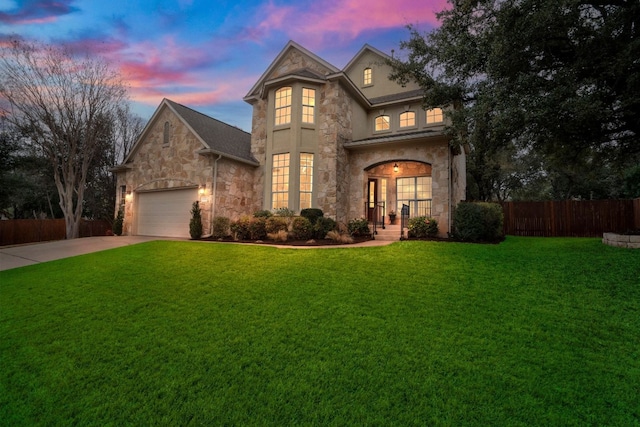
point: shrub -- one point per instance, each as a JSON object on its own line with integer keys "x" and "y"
{"x": 301, "y": 228}
{"x": 336, "y": 236}
{"x": 322, "y": 227}
{"x": 285, "y": 212}
{"x": 275, "y": 224}
{"x": 241, "y": 228}
{"x": 220, "y": 227}
{"x": 476, "y": 222}
{"x": 422, "y": 226}
{"x": 117, "y": 223}
{"x": 262, "y": 214}
{"x": 249, "y": 228}
{"x": 195, "y": 224}
{"x": 312, "y": 214}
{"x": 257, "y": 228}
{"x": 279, "y": 236}
{"x": 358, "y": 227}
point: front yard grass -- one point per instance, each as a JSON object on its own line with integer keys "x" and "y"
{"x": 529, "y": 332}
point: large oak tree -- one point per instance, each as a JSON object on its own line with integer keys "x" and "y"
{"x": 553, "y": 85}
{"x": 65, "y": 105}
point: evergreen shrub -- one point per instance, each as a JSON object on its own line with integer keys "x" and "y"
{"x": 478, "y": 222}
{"x": 220, "y": 227}
{"x": 312, "y": 214}
{"x": 301, "y": 228}
{"x": 358, "y": 227}
{"x": 422, "y": 226}
{"x": 195, "y": 224}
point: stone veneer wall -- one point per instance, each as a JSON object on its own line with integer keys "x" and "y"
{"x": 259, "y": 150}
{"x": 334, "y": 124}
{"x": 158, "y": 167}
{"x": 434, "y": 153}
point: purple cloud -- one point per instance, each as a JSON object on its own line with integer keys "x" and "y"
{"x": 37, "y": 11}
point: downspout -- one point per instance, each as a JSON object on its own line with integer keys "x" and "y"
{"x": 214, "y": 190}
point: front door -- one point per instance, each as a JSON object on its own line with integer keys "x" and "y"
{"x": 372, "y": 199}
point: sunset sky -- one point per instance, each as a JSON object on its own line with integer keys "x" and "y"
{"x": 207, "y": 54}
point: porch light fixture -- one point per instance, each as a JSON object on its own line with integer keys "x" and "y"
{"x": 201, "y": 190}
{"x": 127, "y": 196}
{"x": 395, "y": 168}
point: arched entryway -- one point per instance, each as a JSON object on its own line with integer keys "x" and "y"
{"x": 394, "y": 183}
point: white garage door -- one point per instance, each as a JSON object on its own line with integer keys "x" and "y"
{"x": 165, "y": 213}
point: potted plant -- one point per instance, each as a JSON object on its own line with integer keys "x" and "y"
{"x": 392, "y": 217}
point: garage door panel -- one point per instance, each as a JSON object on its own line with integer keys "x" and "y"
{"x": 165, "y": 213}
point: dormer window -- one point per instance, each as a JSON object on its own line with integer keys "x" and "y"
{"x": 367, "y": 77}
{"x": 383, "y": 123}
{"x": 434, "y": 115}
{"x": 407, "y": 119}
{"x": 283, "y": 106}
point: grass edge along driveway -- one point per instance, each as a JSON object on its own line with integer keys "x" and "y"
{"x": 529, "y": 332}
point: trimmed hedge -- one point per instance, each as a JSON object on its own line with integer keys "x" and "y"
{"x": 301, "y": 228}
{"x": 478, "y": 222}
{"x": 422, "y": 226}
{"x": 312, "y": 214}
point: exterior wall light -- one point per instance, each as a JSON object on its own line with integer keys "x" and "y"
{"x": 127, "y": 196}
{"x": 201, "y": 190}
{"x": 395, "y": 168}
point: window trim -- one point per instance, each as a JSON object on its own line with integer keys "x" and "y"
{"x": 284, "y": 164}
{"x": 308, "y": 173}
{"x": 434, "y": 123}
{"x": 367, "y": 77}
{"x": 287, "y": 107}
{"x": 311, "y": 107}
{"x": 375, "y": 123}
{"x": 415, "y": 121}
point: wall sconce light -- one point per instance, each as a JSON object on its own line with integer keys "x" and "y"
{"x": 127, "y": 196}
{"x": 395, "y": 168}
{"x": 201, "y": 190}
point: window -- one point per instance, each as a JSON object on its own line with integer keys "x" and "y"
{"x": 280, "y": 181}
{"x": 367, "y": 76}
{"x": 166, "y": 133}
{"x": 415, "y": 191}
{"x": 306, "y": 180}
{"x": 383, "y": 123}
{"x": 283, "y": 106}
{"x": 434, "y": 116}
{"x": 123, "y": 194}
{"x": 308, "y": 105}
{"x": 407, "y": 119}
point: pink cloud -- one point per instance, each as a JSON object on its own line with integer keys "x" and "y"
{"x": 38, "y": 12}
{"x": 348, "y": 18}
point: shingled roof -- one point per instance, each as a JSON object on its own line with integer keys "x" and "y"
{"x": 218, "y": 136}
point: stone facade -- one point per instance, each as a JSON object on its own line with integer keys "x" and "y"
{"x": 156, "y": 166}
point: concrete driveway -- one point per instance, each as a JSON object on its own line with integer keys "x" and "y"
{"x": 34, "y": 253}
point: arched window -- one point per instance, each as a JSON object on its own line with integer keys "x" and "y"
{"x": 407, "y": 119}
{"x": 367, "y": 76}
{"x": 434, "y": 115}
{"x": 383, "y": 123}
{"x": 166, "y": 133}
{"x": 283, "y": 106}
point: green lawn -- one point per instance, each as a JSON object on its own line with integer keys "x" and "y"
{"x": 529, "y": 332}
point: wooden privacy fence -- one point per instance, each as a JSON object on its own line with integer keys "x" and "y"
{"x": 570, "y": 218}
{"x": 18, "y": 231}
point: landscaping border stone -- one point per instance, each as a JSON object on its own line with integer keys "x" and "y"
{"x": 621, "y": 240}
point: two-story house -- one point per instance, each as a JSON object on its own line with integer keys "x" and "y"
{"x": 350, "y": 142}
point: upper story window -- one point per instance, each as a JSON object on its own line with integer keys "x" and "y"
{"x": 434, "y": 115}
{"x": 166, "y": 133}
{"x": 367, "y": 76}
{"x": 407, "y": 119}
{"x": 308, "y": 105}
{"x": 383, "y": 123}
{"x": 283, "y": 106}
